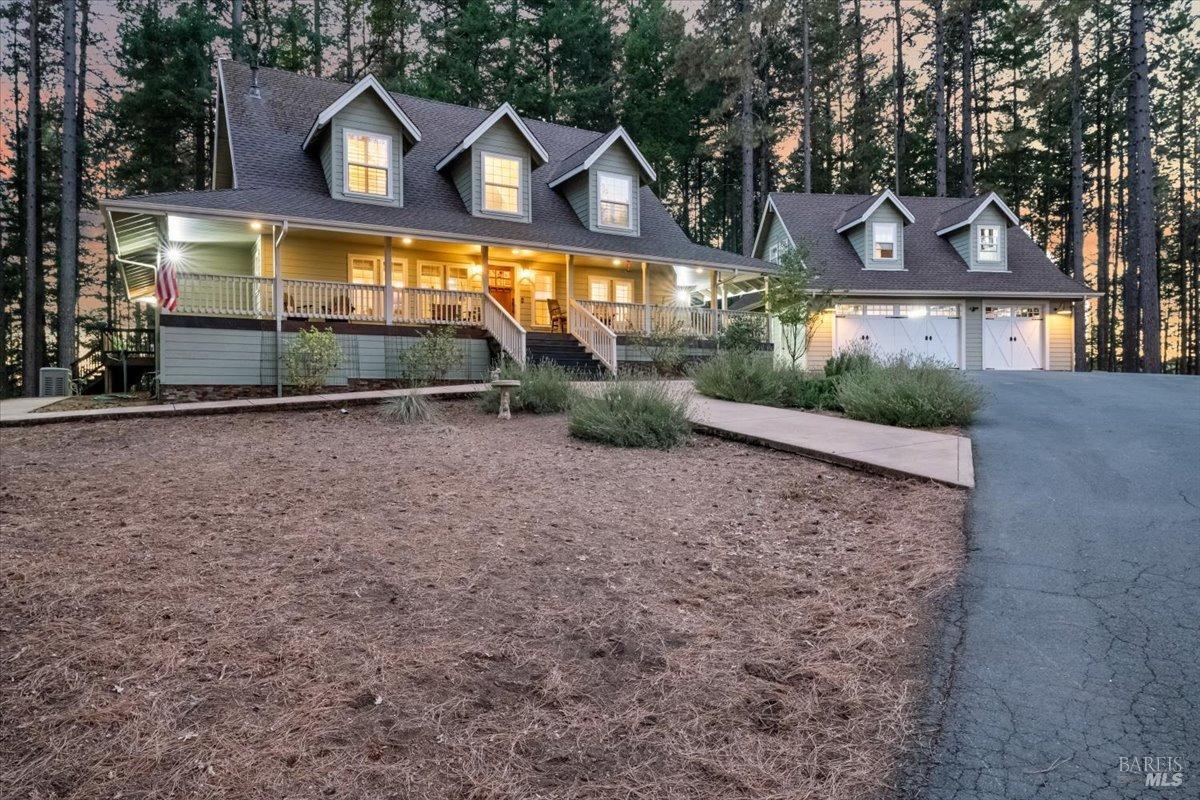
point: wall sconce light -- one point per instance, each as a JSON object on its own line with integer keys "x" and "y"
{"x": 616, "y": 262}
{"x": 683, "y": 297}
{"x": 974, "y": 308}
{"x": 476, "y": 270}
{"x": 173, "y": 254}
{"x": 525, "y": 275}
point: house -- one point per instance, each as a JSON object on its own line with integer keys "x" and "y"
{"x": 378, "y": 215}
{"x": 954, "y": 279}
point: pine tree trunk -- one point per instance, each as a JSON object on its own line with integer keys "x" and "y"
{"x": 68, "y": 220}
{"x": 347, "y": 30}
{"x": 939, "y": 94}
{"x": 318, "y": 40}
{"x": 860, "y": 125}
{"x": 1142, "y": 186}
{"x": 899, "y": 81}
{"x": 968, "y": 159}
{"x": 1104, "y": 235}
{"x": 31, "y": 333}
{"x": 806, "y": 135}
{"x": 237, "y": 32}
{"x": 1130, "y": 302}
{"x": 746, "y": 123}
{"x": 1077, "y": 197}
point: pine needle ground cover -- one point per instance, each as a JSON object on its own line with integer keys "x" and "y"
{"x": 332, "y": 604}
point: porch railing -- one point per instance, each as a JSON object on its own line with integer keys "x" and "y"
{"x": 626, "y": 318}
{"x": 224, "y": 295}
{"x": 598, "y": 338}
{"x": 504, "y": 329}
{"x": 437, "y": 307}
{"x": 333, "y": 300}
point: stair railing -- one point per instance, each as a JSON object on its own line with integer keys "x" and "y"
{"x": 596, "y": 337}
{"x": 504, "y": 329}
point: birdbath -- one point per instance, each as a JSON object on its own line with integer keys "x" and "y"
{"x": 505, "y": 387}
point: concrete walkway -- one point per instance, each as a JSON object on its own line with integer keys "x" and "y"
{"x": 22, "y": 411}
{"x": 900, "y": 452}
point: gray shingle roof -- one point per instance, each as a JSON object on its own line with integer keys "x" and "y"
{"x": 276, "y": 178}
{"x": 932, "y": 264}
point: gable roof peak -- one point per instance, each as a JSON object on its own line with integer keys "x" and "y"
{"x": 966, "y": 213}
{"x": 367, "y": 83}
{"x": 587, "y": 155}
{"x": 503, "y": 111}
{"x": 859, "y": 212}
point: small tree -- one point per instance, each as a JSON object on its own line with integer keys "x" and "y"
{"x": 309, "y": 359}
{"x": 430, "y": 359}
{"x": 744, "y": 334}
{"x": 663, "y": 346}
{"x": 796, "y": 301}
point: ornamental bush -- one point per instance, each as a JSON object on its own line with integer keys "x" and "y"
{"x": 545, "y": 389}
{"x": 310, "y": 357}
{"x": 917, "y": 393}
{"x": 632, "y": 414}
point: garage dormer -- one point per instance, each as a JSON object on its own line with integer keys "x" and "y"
{"x": 492, "y": 164}
{"x": 978, "y": 230}
{"x": 603, "y": 180}
{"x": 361, "y": 139}
{"x": 875, "y": 229}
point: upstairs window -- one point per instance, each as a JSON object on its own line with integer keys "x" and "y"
{"x": 368, "y": 164}
{"x": 883, "y": 235}
{"x": 989, "y": 243}
{"x": 616, "y": 200}
{"x": 501, "y": 184}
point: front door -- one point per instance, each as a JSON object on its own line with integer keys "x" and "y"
{"x": 500, "y": 286}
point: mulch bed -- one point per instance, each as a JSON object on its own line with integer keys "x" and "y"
{"x": 318, "y": 604}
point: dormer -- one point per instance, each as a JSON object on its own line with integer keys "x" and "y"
{"x": 875, "y": 228}
{"x": 602, "y": 181}
{"x": 491, "y": 166}
{"x": 361, "y": 139}
{"x": 978, "y": 230}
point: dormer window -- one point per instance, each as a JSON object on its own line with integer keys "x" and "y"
{"x": 368, "y": 164}
{"x": 616, "y": 200}
{"x": 883, "y": 234}
{"x": 989, "y": 243}
{"x": 501, "y": 184}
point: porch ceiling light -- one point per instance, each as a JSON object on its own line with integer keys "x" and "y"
{"x": 255, "y": 225}
{"x": 173, "y": 254}
{"x": 406, "y": 241}
{"x": 616, "y": 262}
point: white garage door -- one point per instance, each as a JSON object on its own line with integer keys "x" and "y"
{"x": 923, "y": 331}
{"x": 1012, "y": 337}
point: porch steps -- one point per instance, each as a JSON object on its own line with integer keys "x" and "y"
{"x": 562, "y": 349}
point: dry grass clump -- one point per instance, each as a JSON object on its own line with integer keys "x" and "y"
{"x": 313, "y": 608}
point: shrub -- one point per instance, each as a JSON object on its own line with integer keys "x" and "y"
{"x": 663, "y": 346}
{"x": 802, "y": 390}
{"x": 310, "y": 357}
{"x": 431, "y": 358}
{"x": 740, "y": 377}
{"x": 743, "y": 334}
{"x": 408, "y": 409}
{"x": 545, "y": 389}
{"x": 629, "y": 414}
{"x": 851, "y": 359}
{"x": 911, "y": 394}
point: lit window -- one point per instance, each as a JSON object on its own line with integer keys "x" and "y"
{"x": 543, "y": 291}
{"x": 773, "y": 254}
{"x": 501, "y": 184}
{"x": 431, "y": 276}
{"x": 616, "y": 200}
{"x": 989, "y": 242}
{"x": 366, "y": 270}
{"x": 883, "y": 234}
{"x": 368, "y": 164}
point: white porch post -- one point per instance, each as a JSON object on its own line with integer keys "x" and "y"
{"x": 645, "y": 298}
{"x": 484, "y": 261}
{"x": 570, "y": 262}
{"x": 277, "y": 234}
{"x": 712, "y": 289}
{"x": 767, "y": 293}
{"x": 389, "y": 298}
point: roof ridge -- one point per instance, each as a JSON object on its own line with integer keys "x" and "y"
{"x": 482, "y": 110}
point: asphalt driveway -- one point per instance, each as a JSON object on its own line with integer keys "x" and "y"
{"x": 1074, "y": 639}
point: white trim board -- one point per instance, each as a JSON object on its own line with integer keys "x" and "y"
{"x": 992, "y": 198}
{"x": 505, "y": 110}
{"x": 368, "y": 82}
{"x": 601, "y": 149}
{"x": 886, "y": 194}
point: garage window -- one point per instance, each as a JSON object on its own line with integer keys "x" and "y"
{"x": 875, "y": 310}
{"x": 884, "y": 236}
{"x": 849, "y": 310}
{"x": 947, "y": 312}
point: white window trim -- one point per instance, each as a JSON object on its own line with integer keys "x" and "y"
{"x": 600, "y": 174}
{"x": 895, "y": 243}
{"x": 391, "y": 191}
{"x": 992, "y": 258}
{"x": 483, "y": 184}
{"x": 378, "y": 263}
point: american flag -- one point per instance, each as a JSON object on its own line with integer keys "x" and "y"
{"x": 166, "y": 287}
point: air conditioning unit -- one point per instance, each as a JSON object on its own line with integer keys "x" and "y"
{"x": 54, "y": 381}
